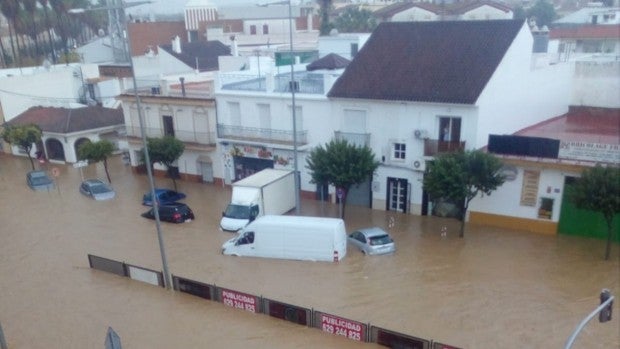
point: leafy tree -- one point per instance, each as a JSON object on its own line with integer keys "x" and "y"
{"x": 598, "y": 190}
{"x": 519, "y": 13}
{"x": 459, "y": 177}
{"x": 341, "y": 164}
{"x": 355, "y": 20}
{"x": 24, "y": 136}
{"x": 97, "y": 151}
{"x": 543, "y": 12}
{"x": 166, "y": 151}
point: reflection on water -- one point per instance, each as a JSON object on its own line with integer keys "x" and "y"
{"x": 493, "y": 289}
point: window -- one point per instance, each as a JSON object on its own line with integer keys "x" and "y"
{"x": 293, "y": 85}
{"x": 546, "y": 208}
{"x": 449, "y": 129}
{"x": 398, "y": 151}
{"x": 235, "y": 113}
{"x": 265, "y": 29}
{"x": 247, "y": 238}
{"x": 168, "y": 125}
{"x": 264, "y": 116}
{"x": 252, "y": 30}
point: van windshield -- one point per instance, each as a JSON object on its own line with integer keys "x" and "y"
{"x": 237, "y": 212}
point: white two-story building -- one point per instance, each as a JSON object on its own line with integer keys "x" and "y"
{"x": 419, "y": 89}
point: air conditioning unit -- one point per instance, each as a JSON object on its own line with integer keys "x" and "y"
{"x": 420, "y": 134}
{"x": 419, "y": 164}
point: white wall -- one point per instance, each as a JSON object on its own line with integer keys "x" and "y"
{"x": 21, "y": 89}
{"x": 415, "y": 14}
{"x": 517, "y": 96}
{"x": 596, "y": 84}
{"x": 341, "y": 44}
{"x": 486, "y": 12}
{"x": 506, "y": 199}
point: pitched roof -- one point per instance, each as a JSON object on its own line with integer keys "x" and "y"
{"x": 464, "y": 7}
{"x": 200, "y": 55}
{"x": 145, "y": 35}
{"x": 330, "y": 61}
{"x": 389, "y": 11}
{"x": 445, "y": 62}
{"x": 580, "y": 124}
{"x": 64, "y": 120}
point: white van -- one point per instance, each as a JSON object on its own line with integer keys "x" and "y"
{"x": 291, "y": 237}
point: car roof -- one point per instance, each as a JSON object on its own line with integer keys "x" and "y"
{"x": 37, "y": 172}
{"x": 173, "y": 204}
{"x": 93, "y": 181}
{"x": 373, "y": 231}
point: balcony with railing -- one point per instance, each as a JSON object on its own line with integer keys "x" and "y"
{"x": 360, "y": 139}
{"x": 261, "y": 135}
{"x": 201, "y": 138}
{"x": 434, "y": 147}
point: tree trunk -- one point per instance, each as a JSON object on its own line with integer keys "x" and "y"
{"x": 49, "y": 35}
{"x": 610, "y": 232}
{"x": 463, "y": 215}
{"x": 105, "y": 167}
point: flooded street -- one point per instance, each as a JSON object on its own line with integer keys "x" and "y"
{"x": 493, "y": 289}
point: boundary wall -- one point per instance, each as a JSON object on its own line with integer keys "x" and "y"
{"x": 323, "y": 321}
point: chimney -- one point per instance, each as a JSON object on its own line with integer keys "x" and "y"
{"x": 176, "y": 44}
{"x": 182, "y": 79}
{"x": 234, "y": 51}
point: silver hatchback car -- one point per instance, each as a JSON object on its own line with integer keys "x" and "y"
{"x": 372, "y": 241}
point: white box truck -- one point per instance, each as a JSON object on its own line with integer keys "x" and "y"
{"x": 291, "y": 237}
{"x": 269, "y": 191}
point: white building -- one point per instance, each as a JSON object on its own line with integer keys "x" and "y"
{"x": 460, "y": 82}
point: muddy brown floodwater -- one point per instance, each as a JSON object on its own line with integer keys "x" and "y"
{"x": 495, "y": 288}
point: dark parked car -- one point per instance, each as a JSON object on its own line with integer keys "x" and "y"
{"x": 164, "y": 196}
{"x": 39, "y": 180}
{"x": 174, "y": 212}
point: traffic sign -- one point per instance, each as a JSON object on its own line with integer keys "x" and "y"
{"x": 79, "y": 164}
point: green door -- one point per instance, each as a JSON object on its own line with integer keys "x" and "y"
{"x": 578, "y": 222}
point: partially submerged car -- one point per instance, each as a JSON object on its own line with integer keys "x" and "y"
{"x": 164, "y": 196}
{"x": 97, "y": 189}
{"x": 372, "y": 241}
{"x": 175, "y": 212}
{"x": 39, "y": 180}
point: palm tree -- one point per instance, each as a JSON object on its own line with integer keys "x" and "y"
{"x": 60, "y": 9}
{"x": 9, "y": 9}
{"x": 30, "y": 6}
{"x": 44, "y": 4}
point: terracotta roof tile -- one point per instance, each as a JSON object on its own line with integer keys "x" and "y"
{"x": 445, "y": 62}
{"x": 64, "y": 120}
{"x": 586, "y": 32}
{"x": 583, "y": 124}
{"x": 152, "y": 34}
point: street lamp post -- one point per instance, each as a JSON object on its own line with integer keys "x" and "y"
{"x": 121, "y": 5}
{"x": 293, "y": 86}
